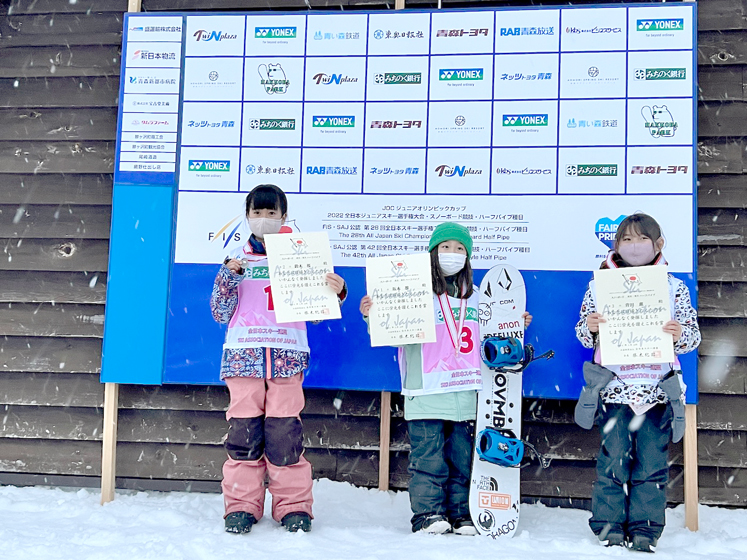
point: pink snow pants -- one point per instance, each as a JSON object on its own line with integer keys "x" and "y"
{"x": 272, "y": 406}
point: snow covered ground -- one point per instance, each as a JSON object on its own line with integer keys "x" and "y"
{"x": 351, "y": 524}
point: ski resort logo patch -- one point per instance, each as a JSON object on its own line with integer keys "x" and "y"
{"x": 606, "y": 228}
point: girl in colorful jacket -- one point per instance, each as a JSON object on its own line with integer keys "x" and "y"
{"x": 263, "y": 365}
{"x": 638, "y": 404}
{"x": 440, "y": 415}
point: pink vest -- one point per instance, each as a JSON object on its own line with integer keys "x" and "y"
{"x": 253, "y": 324}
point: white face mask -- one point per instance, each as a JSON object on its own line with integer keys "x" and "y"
{"x": 262, "y": 226}
{"x": 637, "y": 254}
{"x": 451, "y": 263}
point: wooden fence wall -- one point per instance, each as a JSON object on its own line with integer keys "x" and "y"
{"x": 59, "y": 83}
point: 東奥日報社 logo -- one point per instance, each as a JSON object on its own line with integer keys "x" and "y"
{"x": 220, "y": 165}
{"x": 456, "y": 171}
{"x": 333, "y": 122}
{"x": 388, "y": 34}
{"x": 531, "y": 120}
{"x": 662, "y": 24}
{"x": 274, "y": 32}
{"x": 660, "y": 73}
{"x": 460, "y": 74}
{"x": 591, "y": 170}
{"x": 397, "y": 78}
{"x": 328, "y": 79}
{"x": 202, "y": 35}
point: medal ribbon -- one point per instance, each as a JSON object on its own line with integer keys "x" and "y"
{"x": 454, "y": 334}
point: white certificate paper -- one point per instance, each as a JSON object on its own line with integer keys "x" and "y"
{"x": 298, "y": 264}
{"x": 402, "y": 292}
{"x": 635, "y": 303}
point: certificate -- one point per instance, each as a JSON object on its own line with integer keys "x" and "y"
{"x": 635, "y": 303}
{"x": 402, "y": 292}
{"x": 298, "y": 265}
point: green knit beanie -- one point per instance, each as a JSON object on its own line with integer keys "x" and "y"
{"x": 448, "y": 231}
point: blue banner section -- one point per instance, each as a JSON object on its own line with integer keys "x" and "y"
{"x": 341, "y": 353}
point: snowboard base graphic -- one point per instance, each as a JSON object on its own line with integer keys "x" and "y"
{"x": 494, "y": 496}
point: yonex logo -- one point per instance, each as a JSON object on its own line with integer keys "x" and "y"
{"x": 209, "y": 165}
{"x": 525, "y": 120}
{"x": 460, "y": 74}
{"x": 660, "y": 24}
{"x": 274, "y": 32}
{"x": 333, "y": 122}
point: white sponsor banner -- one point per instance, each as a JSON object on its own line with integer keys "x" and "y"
{"x": 459, "y": 124}
{"x": 153, "y": 55}
{"x": 336, "y": 34}
{"x": 148, "y": 137}
{"x": 459, "y": 78}
{"x": 335, "y": 79}
{"x": 397, "y": 78}
{"x": 211, "y": 124}
{"x": 215, "y": 35}
{"x": 591, "y": 171}
{"x": 150, "y": 122}
{"x": 148, "y": 157}
{"x": 660, "y": 74}
{"x": 461, "y": 32}
{"x": 135, "y": 103}
{"x": 154, "y": 28}
{"x": 463, "y": 171}
{"x": 333, "y": 124}
{"x": 273, "y": 79}
{"x": 504, "y": 229}
{"x": 272, "y": 124}
{"x": 658, "y": 122}
{"x": 390, "y": 125}
{"x": 526, "y": 76}
{"x": 592, "y": 29}
{"x": 150, "y": 146}
{"x": 151, "y": 80}
{"x": 209, "y": 169}
{"x": 655, "y": 27}
{"x": 591, "y": 122}
{"x": 660, "y": 170}
{"x": 147, "y": 167}
{"x": 527, "y": 31}
{"x": 401, "y": 33}
{"x": 278, "y": 166}
{"x": 525, "y": 123}
{"x": 394, "y": 171}
{"x": 524, "y": 171}
{"x": 336, "y": 170}
{"x": 275, "y": 35}
{"x": 212, "y": 79}
{"x": 592, "y": 75}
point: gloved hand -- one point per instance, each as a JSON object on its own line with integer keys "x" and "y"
{"x": 596, "y": 378}
{"x": 673, "y": 389}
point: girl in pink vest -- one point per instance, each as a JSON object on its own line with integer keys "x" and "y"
{"x": 263, "y": 365}
{"x": 440, "y": 381}
{"x": 639, "y": 405}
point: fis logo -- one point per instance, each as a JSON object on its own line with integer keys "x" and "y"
{"x": 209, "y": 165}
{"x": 456, "y": 171}
{"x": 274, "y": 32}
{"x": 660, "y": 24}
{"x": 221, "y": 234}
{"x": 460, "y": 74}
{"x": 333, "y": 122}
{"x": 524, "y": 120}
{"x": 202, "y": 35}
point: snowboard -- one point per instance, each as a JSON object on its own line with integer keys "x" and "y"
{"x": 494, "y": 495}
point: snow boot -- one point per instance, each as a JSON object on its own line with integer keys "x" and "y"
{"x": 613, "y": 538}
{"x": 239, "y": 522}
{"x": 298, "y": 521}
{"x": 643, "y": 543}
{"x": 433, "y": 524}
{"x": 463, "y": 526}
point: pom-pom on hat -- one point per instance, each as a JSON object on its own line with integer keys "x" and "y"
{"x": 448, "y": 231}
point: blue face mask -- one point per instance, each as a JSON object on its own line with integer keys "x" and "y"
{"x": 451, "y": 263}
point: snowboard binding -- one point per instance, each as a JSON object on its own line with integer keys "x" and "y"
{"x": 502, "y": 449}
{"x": 506, "y": 354}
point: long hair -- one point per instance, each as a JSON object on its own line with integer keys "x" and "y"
{"x": 463, "y": 277}
{"x": 639, "y": 223}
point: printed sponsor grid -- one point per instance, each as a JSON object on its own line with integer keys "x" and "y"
{"x": 453, "y": 92}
